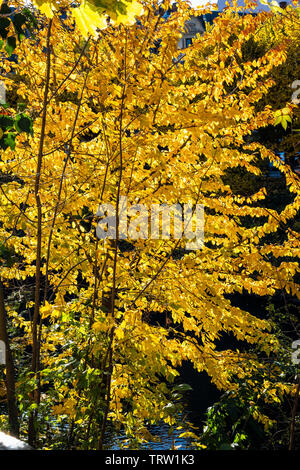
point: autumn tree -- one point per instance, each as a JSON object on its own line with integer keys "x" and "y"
{"x": 112, "y": 119}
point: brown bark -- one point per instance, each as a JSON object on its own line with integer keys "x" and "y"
{"x": 32, "y": 434}
{"x": 10, "y": 385}
{"x": 293, "y": 418}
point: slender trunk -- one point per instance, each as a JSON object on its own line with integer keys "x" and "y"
{"x": 32, "y": 434}
{"x": 108, "y": 391}
{"x": 13, "y": 418}
{"x": 111, "y": 296}
{"x": 293, "y": 418}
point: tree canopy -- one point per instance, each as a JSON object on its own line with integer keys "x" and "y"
{"x": 102, "y": 326}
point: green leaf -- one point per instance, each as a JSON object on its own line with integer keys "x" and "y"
{"x": 10, "y": 45}
{"x": 18, "y": 21}
{"x": 183, "y": 388}
{"x": 5, "y": 9}
{"x": 4, "y": 25}
{"x": 278, "y": 120}
{"x": 21, "y": 106}
{"x": 23, "y": 124}
{"x": 9, "y": 140}
{"x": 170, "y": 407}
{"x": 6, "y": 122}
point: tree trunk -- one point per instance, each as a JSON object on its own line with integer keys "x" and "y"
{"x": 35, "y": 396}
{"x": 293, "y": 418}
{"x": 10, "y": 371}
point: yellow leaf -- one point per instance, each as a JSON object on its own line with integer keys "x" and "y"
{"x": 88, "y": 20}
